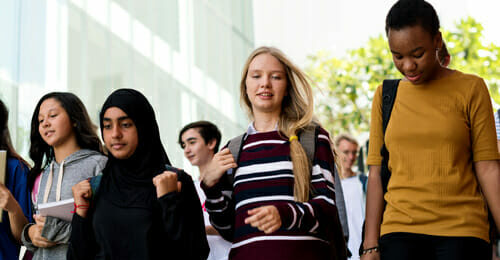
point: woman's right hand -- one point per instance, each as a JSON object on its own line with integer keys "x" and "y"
{"x": 7, "y": 201}
{"x": 82, "y": 192}
{"x": 221, "y": 162}
{"x": 35, "y": 233}
{"x": 371, "y": 256}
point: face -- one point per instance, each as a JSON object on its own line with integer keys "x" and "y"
{"x": 195, "y": 149}
{"x": 54, "y": 124}
{"x": 266, "y": 84}
{"x": 349, "y": 153}
{"x": 414, "y": 53}
{"x": 119, "y": 133}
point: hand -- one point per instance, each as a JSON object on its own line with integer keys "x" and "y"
{"x": 166, "y": 182}
{"x": 35, "y": 233}
{"x": 7, "y": 201}
{"x": 265, "y": 218}
{"x": 371, "y": 256}
{"x": 221, "y": 162}
{"x": 82, "y": 192}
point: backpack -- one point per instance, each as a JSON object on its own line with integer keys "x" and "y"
{"x": 389, "y": 92}
{"x": 307, "y": 139}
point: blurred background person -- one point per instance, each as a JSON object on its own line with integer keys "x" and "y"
{"x": 200, "y": 140}
{"x": 353, "y": 184}
{"x": 14, "y": 194}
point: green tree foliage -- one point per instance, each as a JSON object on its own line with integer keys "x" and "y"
{"x": 344, "y": 87}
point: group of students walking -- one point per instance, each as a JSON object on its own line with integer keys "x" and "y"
{"x": 274, "y": 198}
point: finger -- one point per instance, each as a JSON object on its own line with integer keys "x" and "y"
{"x": 254, "y": 211}
{"x": 179, "y": 186}
{"x": 226, "y": 156}
{"x": 40, "y": 220}
{"x": 254, "y": 218}
{"x": 267, "y": 223}
{"x": 227, "y": 161}
{"x": 271, "y": 229}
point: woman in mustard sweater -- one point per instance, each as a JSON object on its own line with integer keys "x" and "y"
{"x": 443, "y": 155}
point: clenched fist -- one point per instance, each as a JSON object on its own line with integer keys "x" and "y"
{"x": 82, "y": 192}
{"x": 166, "y": 182}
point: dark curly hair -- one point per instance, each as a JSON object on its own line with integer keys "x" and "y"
{"x": 405, "y": 13}
{"x": 5, "y": 141}
{"x": 85, "y": 132}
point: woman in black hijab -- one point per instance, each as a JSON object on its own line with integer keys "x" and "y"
{"x": 143, "y": 208}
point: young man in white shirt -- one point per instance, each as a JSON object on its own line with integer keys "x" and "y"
{"x": 353, "y": 186}
{"x": 200, "y": 140}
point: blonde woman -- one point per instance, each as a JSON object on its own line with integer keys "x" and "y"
{"x": 278, "y": 206}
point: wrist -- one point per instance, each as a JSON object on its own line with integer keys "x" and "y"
{"x": 369, "y": 250}
{"x": 81, "y": 209}
{"x": 208, "y": 182}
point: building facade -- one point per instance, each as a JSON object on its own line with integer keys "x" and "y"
{"x": 186, "y": 56}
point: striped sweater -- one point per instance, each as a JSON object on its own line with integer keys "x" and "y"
{"x": 264, "y": 177}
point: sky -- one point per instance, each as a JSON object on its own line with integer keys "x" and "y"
{"x": 303, "y": 27}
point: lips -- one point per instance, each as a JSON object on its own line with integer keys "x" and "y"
{"x": 265, "y": 95}
{"x": 413, "y": 78}
{"x": 49, "y": 133}
{"x": 117, "y": 146}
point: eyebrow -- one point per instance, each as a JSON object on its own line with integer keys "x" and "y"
{"x": 119, "y": 119}
{"x": 412, "y": 51}
{"x": 191, "y": 138}
{"x": 273, "y": 71}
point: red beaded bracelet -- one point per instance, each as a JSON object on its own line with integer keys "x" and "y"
{"x": 81, "y": 206}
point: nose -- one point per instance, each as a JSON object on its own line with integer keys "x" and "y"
{"x": 116, "y": 132}
{"x": 264, "y": 82}
{"x": 409, "y": 65}
{"x": 187, "y": 149}
{"x": 45, "y": 123}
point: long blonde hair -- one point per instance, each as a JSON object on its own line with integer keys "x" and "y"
{"x": 296, "y": 114}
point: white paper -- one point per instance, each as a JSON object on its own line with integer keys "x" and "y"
{"x": 60, "y": 209}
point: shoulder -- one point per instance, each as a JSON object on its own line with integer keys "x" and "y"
{"x": 322, "y": 134}
{"x": 468, "y": 82}
{"x": 15, "y": 165}
{"x": 97, "y": 159}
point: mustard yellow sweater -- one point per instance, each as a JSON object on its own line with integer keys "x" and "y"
{"x": 436, "y": 133}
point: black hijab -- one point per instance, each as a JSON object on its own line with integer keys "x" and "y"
{"x": 129, "y": 182}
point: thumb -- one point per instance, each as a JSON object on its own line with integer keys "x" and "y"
{"x": 179, "y": 186}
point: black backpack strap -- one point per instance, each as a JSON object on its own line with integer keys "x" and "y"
{"x": 389, "y": 92}
{"x": 235, "y": 146}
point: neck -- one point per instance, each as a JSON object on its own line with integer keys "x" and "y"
{"x": 204, "y": 166}
{"x": 348, "y": 173}
{"x": 265, "y": 122}
{"x": 66, "y": 149}
{"x": 202, "y": 169}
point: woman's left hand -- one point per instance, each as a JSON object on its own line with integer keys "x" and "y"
{"x": 166, "y": 182}
{"x": 265, "y": 218}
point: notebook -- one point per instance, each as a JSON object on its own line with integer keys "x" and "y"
{"x": 62, "y": 209}
{"x": 3, "y": 168}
